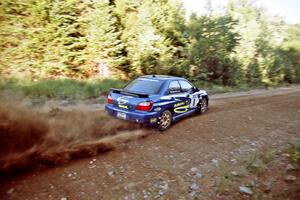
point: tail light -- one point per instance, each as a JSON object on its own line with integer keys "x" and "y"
{"x": 144, "y": 106}
{"x": 109, "y": 99}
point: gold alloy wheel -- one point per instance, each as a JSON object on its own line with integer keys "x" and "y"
{"x": 166, "y": 120}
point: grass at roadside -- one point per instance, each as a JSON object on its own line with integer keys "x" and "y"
{"x": 60, "y": 88}
{"x": 294, "y": 150}
{"x": 264, "y": 174}
{"x": 91, "y": 88}
{"x": 214, "y": 88}
{"x": 223, "y": 181}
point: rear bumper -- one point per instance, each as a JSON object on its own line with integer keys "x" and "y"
{"x": 142, "y": 117}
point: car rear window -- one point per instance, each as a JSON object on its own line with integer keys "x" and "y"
{"x": 148, "y": 86}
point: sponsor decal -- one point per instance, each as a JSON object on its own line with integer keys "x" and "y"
{"x": 157, "y": 109}
{"x": 123, "y": 106}
{"x": 153, "y": 120}
{"x": 123, "y": 99}
{"x": 182, "y": 109}
{"x": 179, "y": 104}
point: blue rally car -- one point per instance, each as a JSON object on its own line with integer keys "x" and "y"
{"x": 156, "y": 100}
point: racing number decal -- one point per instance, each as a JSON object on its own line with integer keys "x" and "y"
{"x": 194, "y": 100}
{"x": 184, "y": 106}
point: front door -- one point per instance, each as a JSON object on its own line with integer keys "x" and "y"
{"x": 192, "y": 96}
{"x": 181, "y": 98}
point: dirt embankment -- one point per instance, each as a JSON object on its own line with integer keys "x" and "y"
{"x": 30, "y": 138}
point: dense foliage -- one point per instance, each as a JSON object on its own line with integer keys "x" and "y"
{"x": 55, "y": 38}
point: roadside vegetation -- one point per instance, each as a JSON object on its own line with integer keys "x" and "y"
{"x": 261, "y": 173}
{"x": 293, "y": 151}
{"x": 60, "y": 88}
{"x": 78, "y": 89}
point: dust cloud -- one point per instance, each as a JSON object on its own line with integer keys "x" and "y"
{"x": 30, "y": 138}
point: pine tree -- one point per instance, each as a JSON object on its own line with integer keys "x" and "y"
{"x": 21, "y": 26}
{"x": 104, "y": 43}
{"x": 150, "y": 34}
{"x": 213, "y": 40}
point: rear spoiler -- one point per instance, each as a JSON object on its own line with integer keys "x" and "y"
{"x": 120, "y": 91}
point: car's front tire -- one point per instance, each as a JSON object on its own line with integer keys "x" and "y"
{"x": 165, "y": 120}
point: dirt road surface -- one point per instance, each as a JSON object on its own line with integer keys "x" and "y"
{"x": 186, "y": 161}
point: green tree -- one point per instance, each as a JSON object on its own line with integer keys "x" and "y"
{"x": 152, "y": 33}
{"x": 212, "y": 42}
{"x": 103, "y": 37}
{"x": 290, "y": 54}
{"x": 260, "y": 50}
{"x": 54, "y": 38}
{"x": 21, "y": 41}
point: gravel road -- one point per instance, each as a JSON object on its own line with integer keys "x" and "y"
{"x": 186, "y": 161}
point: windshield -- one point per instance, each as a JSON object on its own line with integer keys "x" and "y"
{"x": 148, "y": 86}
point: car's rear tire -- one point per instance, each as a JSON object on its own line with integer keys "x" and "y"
{"x": 165, "y": 120}
{"x": 203, "y": 105}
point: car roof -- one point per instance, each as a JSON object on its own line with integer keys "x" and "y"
{"x": 161, "y": 77}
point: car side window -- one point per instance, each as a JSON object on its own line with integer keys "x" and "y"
{"x": 174, "y": 87}
{"x": 185, "y": 86}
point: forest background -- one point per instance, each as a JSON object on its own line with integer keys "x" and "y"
{"x": 80, "y": 48}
